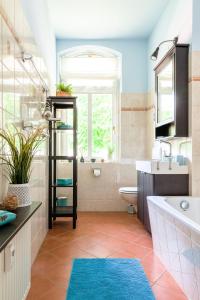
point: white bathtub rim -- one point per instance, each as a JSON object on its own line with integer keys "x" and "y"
{"x": 161, "y": 202}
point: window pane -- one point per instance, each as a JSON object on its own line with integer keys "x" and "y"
{"x": 106, "y": 66}
{"x": 82, "y": 104}
{"x": 101, "y": 124}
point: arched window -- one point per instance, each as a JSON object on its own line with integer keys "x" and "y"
{"x": 95, "y": 75}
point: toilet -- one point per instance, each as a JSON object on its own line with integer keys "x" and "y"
{"x": 129, "y": 195}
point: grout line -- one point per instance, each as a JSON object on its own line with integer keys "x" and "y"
{"x": 147, "y": 108}
{"x": 155, "y": 282}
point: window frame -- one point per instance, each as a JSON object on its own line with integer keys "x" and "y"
{"x": 90, "y": 123}
{"x": 114, "y": 91}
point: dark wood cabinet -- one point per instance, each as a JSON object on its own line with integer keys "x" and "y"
{"x": 140, "y": 202}
{"x": 158, "y": 185}
{"x": 171, "y": 77}
{"x": 148, "y": 188}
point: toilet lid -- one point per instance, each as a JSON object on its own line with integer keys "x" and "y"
{"x": 128, "y": 190}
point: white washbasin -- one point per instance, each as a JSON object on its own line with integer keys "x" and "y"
{"x": 160, "y": 167}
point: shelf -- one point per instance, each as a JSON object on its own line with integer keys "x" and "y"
{"x": 63, "y": 211}
{"x": 62, "y": 158}
{"x": 62, "y": 186}
{"x": 70, "y": 129}
{"x": 64, "y": 105}
{"x": 62, "y": 98}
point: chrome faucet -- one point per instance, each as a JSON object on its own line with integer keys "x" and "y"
{"x": 170, "y": 152}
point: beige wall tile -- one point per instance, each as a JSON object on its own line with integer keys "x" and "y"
{"x": 101, "y": 193}
{"x": 195, "y": 64}
{"x": 133, "y": 100}
{"x": 195, "y": 123}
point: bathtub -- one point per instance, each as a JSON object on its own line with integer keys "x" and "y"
{"x": 175, "y": 226}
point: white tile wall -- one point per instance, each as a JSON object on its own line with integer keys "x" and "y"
{"x": 195, "y": 124}
{"x": 178, "y": 248}
{"x": 99, "y": 193}
{"x": 21, "y": 98}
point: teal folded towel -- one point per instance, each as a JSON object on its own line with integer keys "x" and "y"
{"x": 61, "y": 201}
{"x": 64, "y": 126}
{"x": 6, "y": 217}
{"x": 64, "y": 181}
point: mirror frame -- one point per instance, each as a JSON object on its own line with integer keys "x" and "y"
{"x": 159, "y": 68}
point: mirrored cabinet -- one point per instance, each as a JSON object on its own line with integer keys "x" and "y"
{"x": 171, "y": 76}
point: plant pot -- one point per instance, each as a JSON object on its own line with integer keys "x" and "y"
{"x": 62, "y": 94}
{"x": 22, "y": 192}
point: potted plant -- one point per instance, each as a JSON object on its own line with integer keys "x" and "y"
{"x": 63, "y": 89}
{"x": 20, "y": 150}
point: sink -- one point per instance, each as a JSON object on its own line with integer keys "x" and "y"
{"x": 160, "y": 167}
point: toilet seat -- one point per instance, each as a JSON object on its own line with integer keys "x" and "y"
{"x": 128, "y": 190}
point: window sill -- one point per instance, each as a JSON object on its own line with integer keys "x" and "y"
{"x": 99, "y": 162}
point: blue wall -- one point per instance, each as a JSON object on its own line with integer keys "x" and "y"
{"x": 176, "y": 20}
{"x": 134, "y": 60}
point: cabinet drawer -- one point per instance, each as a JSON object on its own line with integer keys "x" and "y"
{"x": 171, "y": 185}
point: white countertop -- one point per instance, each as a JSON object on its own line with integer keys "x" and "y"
{"x": 160, "y": 167}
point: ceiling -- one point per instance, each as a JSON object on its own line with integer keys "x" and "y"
{"x": 104, "y": 19}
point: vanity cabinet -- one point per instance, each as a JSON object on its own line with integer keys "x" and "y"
{"x": 15, "y": 254}
{"x": 15, "y": 266}
{"x": 158, "y": 185}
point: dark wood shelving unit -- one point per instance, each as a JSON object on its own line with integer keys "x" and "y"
{"x": 62, "y": 129}
{"x": 62, "y": 186}
{"x": 62, "y": 211}
{"x": 62, "y": 103}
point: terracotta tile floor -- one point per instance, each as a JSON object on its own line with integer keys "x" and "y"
{"x": 97, "y": 235}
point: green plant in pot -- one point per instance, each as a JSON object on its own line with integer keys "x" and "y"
{"x": 63, "y": 89}
{"x": 20, "y": 148}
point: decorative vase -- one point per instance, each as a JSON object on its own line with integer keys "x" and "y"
{"x": 62, "y": 94}
{"x": 22, "y": 192}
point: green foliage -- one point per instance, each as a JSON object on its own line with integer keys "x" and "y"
{"x": 62, "y": 87}
{"x": 111, "y": 150}
{"x": 83, "y": 124}
{"x": 21, "y": 148}
{"x": 100, "y": 127}
{"x": 101, "y": 124}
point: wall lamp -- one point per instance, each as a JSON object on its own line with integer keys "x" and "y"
{"x": 154, "y": 55}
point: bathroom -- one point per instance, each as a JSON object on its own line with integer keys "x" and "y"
{"x": 47, "y": 42}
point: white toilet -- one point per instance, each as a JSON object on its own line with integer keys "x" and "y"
{"x": 129, "y": 194}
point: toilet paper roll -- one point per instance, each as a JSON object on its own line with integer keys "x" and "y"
{"x": 97, "y": 172}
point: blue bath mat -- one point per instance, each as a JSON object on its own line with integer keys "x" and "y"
{"x": 108, "y": 279}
